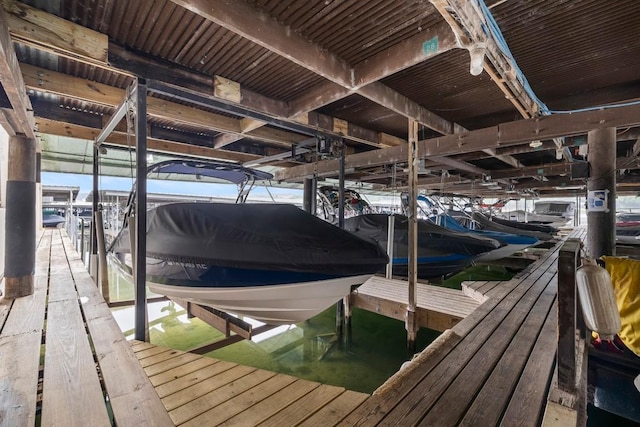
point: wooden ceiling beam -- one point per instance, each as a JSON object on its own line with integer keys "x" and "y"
{"x": 504, "y": 135}
{"x": 28, "y": 20}
{"x": 43, "y": 80}
{"x": 119, "y": 138}
{"x": 38, "y": 28}
{"x": 428, "y": 43}
{"x": 22, "y": 121}
{"x": 260, "y": 28}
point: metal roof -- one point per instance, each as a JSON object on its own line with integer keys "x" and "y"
{"x": 301, "y": 56}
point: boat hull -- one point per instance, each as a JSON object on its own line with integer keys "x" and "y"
{"x": 272, "y": 304}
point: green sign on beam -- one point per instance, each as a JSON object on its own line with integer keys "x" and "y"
{"x": 430, "y": 46}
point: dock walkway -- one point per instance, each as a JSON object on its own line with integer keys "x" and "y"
{"x": 437, "y": 308}
{"x": 63, "y": 359}
{"x": 494, "y": 367}
{"x": 202, "y": 391}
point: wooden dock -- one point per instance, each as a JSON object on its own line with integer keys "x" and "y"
{"x": 494, "y": 367}
{"x": 438, "y": 308}
{"x": 64, "y": 359}
{"x": 202, "y": 391}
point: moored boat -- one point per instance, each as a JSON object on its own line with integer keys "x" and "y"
{"x": 511, "y": 243}
{"x": 441, "y": 252}
{"x": 272, "y": 262}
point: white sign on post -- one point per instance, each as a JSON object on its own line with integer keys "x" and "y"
{"x": 598, "y": 201}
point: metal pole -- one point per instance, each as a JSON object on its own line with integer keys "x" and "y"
{"x": 339, "y": 304}
{"x": 103, "y": 276}
{"x": 82, "y": 239}
{"x": 308, "y": 195}
{"x": 93, "y": 258}
{"x": 141, "y": 325}
{"x": 391, "y": 225}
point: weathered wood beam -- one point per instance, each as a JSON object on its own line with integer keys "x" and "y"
{"x": 43, "y": 80}
{"x": 125, "y": 62}
{"x": 504, "y": 135}
{"x": 460, "y": 165}
{"x": 38, "y": 28}
{"x": 260, "y": 28}
{"x": 534, "y": 171}
{"x": 428, "y": 43}
{"x": 318, "y": 97}
{"x": 394, "y": 101}
{"x": 118, "y": 138}
{"x": 469, "y": 21}
{"x": 11, "y": 81}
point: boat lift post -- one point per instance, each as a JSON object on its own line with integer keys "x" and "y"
{"x": 136, "y": 93}
{"x": 340, "y": 315}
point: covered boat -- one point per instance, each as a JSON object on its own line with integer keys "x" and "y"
{"x": 511, "y": 243}
{"x": 505, "y": 226}
{"x": 441, "y": 252}
{"x": 272, "y": 262}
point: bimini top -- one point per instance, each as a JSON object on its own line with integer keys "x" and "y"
{"x": 231, "y": 172}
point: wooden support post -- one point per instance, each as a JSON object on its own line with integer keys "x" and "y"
{"x": 567, "y": 402}
{"x": 20, "y": 254}
{"x": 412, "y": 214}
{"x": 566, "y": 355}
{"x": 601, "y": 222}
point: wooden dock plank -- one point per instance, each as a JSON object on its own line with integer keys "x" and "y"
{"x": 159, "y": 358}
{"x": 191, "y": 378}
{"x": 132, "y": 396}
{"x": 20, "y": 346}
{"x": 336, "y": 410}
{"x": 437, "y": 307}
{"x": 200, "y": 389}
{"x": 167, "y": 364}
{"x": 514, "y": 339}
{"x": 71, "y": 386}
{"x": 181, "y": 371}
{"x": 220, "y": 413}
{"x": 299, "y": 410}
{"x": 19, "y": 378}
{"x": 527, "y": 399}
{"x": 150, "y": 352}
{"x": 260, "y": 411}
{"x": 412, "y": 409}
{"x": 490, "y": 314}
{"x": 214, "y": 398}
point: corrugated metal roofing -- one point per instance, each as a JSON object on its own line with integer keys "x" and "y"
{"x": 574, "y": 53}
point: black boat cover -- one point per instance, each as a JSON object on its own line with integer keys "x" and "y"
{"x": 254, "y": 236}
{"x": 431, "y": 237}
{"x": 487, "y": 224}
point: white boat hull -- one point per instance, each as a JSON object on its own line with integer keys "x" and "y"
{"x": 271, "y": 304}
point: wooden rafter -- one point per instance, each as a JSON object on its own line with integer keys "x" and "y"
{"x": 119, "y": 138}
{"x": 11, "y": 80}
{"x": 504, "y": 135}
{"x": 259, "y": 28}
